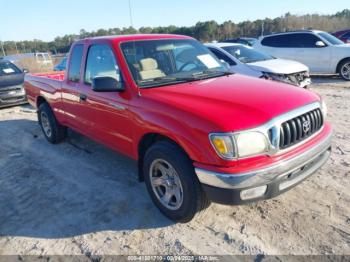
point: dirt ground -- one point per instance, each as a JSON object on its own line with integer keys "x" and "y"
{"x": 82, "y": 198}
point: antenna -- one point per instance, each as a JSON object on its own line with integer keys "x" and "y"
{"x": 130, "y": 13}
{"x": 134, "y": 43}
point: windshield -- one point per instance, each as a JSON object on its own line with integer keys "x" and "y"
{"x": 8, "y": 69}
{"x": 331, "y": 39}
{"x": 161, "y": 62}
{"x": 247, "y": 54}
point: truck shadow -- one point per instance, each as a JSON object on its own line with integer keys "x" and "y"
{"x": 74, "y": 188}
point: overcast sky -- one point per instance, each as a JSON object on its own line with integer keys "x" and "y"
{"x": 46, "y": 19}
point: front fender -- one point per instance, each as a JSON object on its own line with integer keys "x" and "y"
{"x": 189, "y": 133}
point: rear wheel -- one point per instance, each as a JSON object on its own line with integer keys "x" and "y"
{"x": 344, "y": 70}
{"x": 172, "y": 182}
{"x": 53, "y": 131}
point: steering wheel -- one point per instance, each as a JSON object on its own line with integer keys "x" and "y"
{"x": 186, "y": 64}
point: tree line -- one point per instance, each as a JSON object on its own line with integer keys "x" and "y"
{"x": 203, "y": 31}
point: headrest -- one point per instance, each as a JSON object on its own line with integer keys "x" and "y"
{"x": 148, "y": 64}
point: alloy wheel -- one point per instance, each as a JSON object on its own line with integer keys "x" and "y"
{"x": 345, "y": 71}
{"x": 166, "y": 184}
{"x": 45, "y": 124}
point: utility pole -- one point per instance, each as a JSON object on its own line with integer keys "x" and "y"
{"x": 262, "y": 28}
{"x": 2, "y": 48}
{"x": 16, "y": 47}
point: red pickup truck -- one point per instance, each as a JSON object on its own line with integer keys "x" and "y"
{"x": 198, "y": 132}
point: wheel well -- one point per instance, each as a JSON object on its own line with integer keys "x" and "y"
{"x": 341, "y": 61}
{"x": 146, "y": 142}
{"x": 40, "y": 101}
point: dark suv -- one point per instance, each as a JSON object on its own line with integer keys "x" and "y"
{"x": 11, "y": 84}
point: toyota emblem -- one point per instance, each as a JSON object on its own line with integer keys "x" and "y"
{"x": 306, "y": 126}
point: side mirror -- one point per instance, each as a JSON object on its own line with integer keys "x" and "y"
{"x": 25, "y": 70}
{"x": 106, "y": 84}
{"x": 320, "y": 44}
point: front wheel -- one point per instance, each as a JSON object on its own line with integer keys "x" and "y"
{"x": 172, "y": 182}
{"x": 344, "y": 70}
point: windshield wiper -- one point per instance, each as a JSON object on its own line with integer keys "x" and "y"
{"x": 211, "y": 73}
{"x": 173, "y": 78}
{"x": 168, "y": 80}
{"x": 165, "y": 80}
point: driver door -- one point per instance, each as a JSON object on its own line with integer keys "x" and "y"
{"x": 107, "y": 111}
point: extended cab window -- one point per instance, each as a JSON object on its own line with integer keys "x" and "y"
{"x": 74, "y": 63}
{"x": 101, "y": 62}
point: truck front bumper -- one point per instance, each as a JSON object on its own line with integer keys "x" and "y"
{"x": 265, "y": 183}
{"x": 13, "y": 95}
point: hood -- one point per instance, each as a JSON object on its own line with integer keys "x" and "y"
{"x": 278, "y": 66}
{"x": 230, "y": 103}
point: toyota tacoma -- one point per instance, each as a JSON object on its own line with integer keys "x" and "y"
{"x": 199, "y": 133}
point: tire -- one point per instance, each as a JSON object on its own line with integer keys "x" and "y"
{"x": 53, "y": 131}
{"x": 194, "y": 200}
{"x": 344, "y": 69}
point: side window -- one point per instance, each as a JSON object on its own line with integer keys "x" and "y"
{"x": 305, "y": 40}
{"x": 222, "y": 56}
{"x": 276, "y": 41}
{"x": 101, "y": 62}
{"x": 74, "y": 63}
{"x": 298, "y": 40}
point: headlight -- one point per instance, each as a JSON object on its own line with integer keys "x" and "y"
{"x": 272, "y": 76}
{"x": 223, "y": 145}
{"x": 251, "y": 143}
{"x": 244, "y": 144}
{"x": 324, "y": 108}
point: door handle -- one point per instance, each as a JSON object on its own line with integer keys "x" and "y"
{"x": 82, "y": 97}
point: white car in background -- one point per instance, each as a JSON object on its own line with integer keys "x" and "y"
{"x": 41, "y": 58}
{"x": 246, "y": 60}
{"x": 321, "y": 52}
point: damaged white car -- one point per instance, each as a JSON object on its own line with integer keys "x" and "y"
{"x": 248, "y": 61}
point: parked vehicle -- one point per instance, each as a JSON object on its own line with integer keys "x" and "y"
{"x": 248, "y": 61}
{"x": 320, "y": 51}
{"x": 41, "y": 58}
{"x": 11, "y": 84}
{"x": 343, "y": 35}
{"x": 61, "y": 66}
{"x": 198, "y": 132}
{"x": 249, "y": 41}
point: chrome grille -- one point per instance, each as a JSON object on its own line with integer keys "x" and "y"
{"x": 300, "y": 128}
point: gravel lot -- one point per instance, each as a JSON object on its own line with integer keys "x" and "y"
{"x": 82, "y": 198}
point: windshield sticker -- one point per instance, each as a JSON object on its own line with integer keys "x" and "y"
{"x": 8, "y": 70}
{"x": 208, "y": 61}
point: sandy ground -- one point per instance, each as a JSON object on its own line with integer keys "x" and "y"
{"x": 81, "y": 198}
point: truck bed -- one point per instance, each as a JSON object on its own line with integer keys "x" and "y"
{"x": 52, "y": 75}
{"x": 48, "y": 84}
